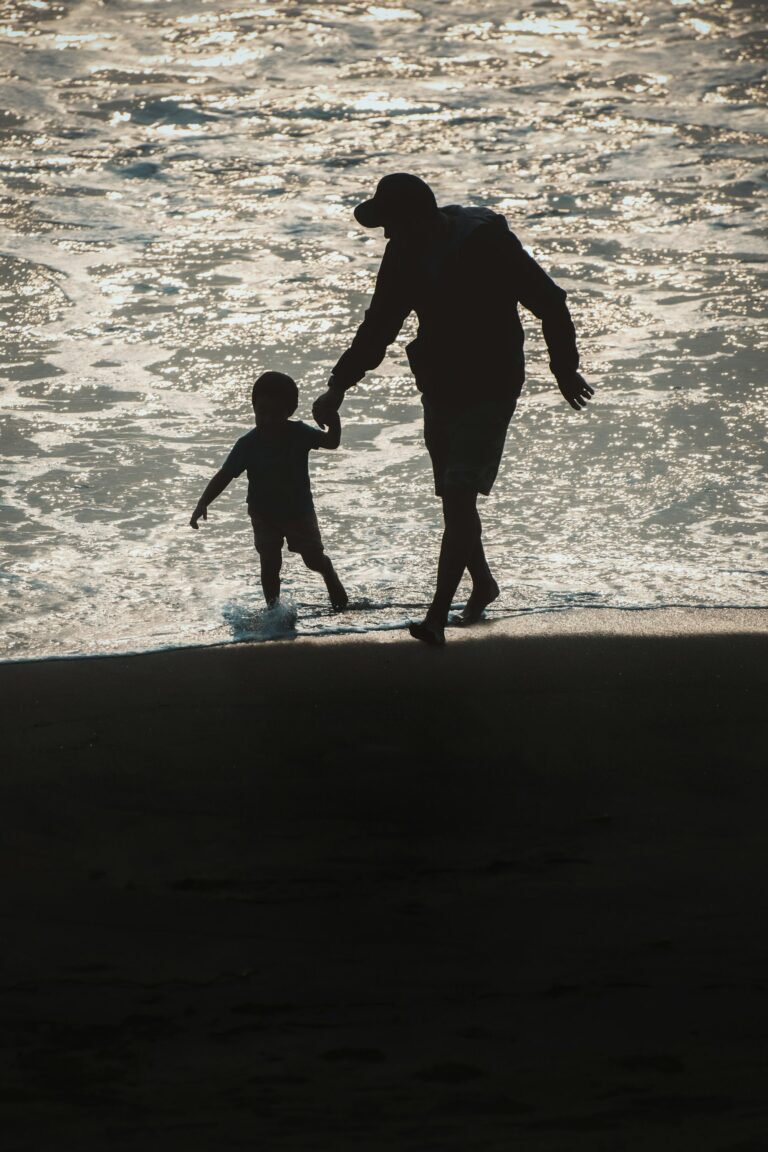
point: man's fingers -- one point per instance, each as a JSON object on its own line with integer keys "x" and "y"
{"x": 577, "y": 392}
{"x": 580, "y": 388}
{"x": 582, "y": 396}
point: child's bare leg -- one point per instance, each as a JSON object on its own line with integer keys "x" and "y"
{"x": 317, "y": 561}
{"x": 271, "y": 557}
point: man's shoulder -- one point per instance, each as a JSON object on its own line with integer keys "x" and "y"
{"x": 478, "y": 229}
{"x": 472, "y": 216}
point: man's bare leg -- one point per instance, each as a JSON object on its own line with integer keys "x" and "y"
{"x": 484, "y": 587}
{"x": 461, "y": 538}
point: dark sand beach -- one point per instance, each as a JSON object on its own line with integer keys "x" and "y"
{"x": 360, "y": 894}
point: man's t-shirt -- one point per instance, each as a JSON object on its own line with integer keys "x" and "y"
{"x": 276, "y": 459}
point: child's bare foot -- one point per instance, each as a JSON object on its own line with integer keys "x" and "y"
{"x": 479, "y": 600}
{"x": 336, "y": 591}
{"x": 429, "y": 633}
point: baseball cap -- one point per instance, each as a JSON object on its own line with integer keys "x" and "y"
{"x": 398, "y": 196}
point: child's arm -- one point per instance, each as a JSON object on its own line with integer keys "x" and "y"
{"x": 332, "y": 438}
{"x": 214, "y": 489}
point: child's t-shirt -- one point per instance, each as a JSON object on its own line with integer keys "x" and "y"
{"x": 277, "y": 463}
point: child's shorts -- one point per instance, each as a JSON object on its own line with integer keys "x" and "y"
{"x": 302, "y": 533}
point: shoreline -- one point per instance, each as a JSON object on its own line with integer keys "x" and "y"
{"x": 607, "y": 620}
{"x": 325, "y": 896}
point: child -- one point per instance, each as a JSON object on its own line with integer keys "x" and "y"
{"x": 276, "y": 456}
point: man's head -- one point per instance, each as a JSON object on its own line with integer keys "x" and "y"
{"x": 401, "y": 202}
{"x": 274, "y": 396}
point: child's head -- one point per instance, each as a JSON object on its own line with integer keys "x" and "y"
{"x": 274, "y": 396}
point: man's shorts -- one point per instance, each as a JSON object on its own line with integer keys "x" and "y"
{"x": 466, "y": 444}
{"x": 302, "y": 533}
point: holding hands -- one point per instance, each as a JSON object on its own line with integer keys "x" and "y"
{"x": 328, "y": 404}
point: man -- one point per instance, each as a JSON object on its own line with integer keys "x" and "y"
{"x": 463, "y": 272}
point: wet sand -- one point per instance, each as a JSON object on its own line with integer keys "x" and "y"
{"x": 365, "y": 895}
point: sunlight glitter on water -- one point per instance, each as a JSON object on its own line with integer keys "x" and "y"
{"x": 180, "y": 180}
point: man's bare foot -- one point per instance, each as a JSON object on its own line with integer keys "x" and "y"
{"x": 429, "y": 633}
{"x": 479, "y": 600}
{"x": 336, "y": 592}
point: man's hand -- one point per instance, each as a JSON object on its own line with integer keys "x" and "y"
{"x": 201, "y": 512}
{"x": 327, "y": 405}
{"x": 576, "y": 390}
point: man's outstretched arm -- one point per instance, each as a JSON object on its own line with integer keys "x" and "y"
{"x": 384, "y": 317}
{"x": 546, "y": 299}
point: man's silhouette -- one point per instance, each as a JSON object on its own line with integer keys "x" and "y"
{"x": 463, "y": 272}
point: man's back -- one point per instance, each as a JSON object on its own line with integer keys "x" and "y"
{"x": 463, "y": 278}
{"x": 468, "y": 322}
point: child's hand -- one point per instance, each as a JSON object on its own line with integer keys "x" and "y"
{"x": 201, "y": 512}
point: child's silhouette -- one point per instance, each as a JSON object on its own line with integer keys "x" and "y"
{"x": 275, "y": 455}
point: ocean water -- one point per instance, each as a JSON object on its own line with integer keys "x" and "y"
{"x": 179, "y": 179}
